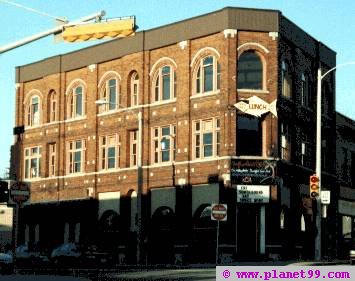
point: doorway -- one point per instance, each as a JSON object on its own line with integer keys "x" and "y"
{"x": 248, "y": 231}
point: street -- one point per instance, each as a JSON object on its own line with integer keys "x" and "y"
{"x": 194, "y": 272}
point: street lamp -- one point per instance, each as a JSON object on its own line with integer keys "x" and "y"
{"x": 139, "y": 177}
{"x": 320, "y": 76}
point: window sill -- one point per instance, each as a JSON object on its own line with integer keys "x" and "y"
{"x": 157, "y": 103}
{"x": 75, "y": 119}
{"x": 253, "y": 91}
{"x": 206, "y": 94}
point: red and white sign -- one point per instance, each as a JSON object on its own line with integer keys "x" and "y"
{"x": 19, "y": 192}
{"x": 219, "y": 212}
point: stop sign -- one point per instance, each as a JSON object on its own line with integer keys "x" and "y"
{"x": 219, "y": 212}
{"x": 19, "y": 192}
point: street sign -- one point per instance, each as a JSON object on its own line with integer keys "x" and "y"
{"x": 19, "y": 192}
{"x": 219, "y": 212}
{"x": 325, "y": 196}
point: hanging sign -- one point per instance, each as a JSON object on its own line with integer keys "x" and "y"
{"x": 256, "y": 106}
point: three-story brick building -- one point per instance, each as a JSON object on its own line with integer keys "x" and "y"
{"x": 80, "y": 146}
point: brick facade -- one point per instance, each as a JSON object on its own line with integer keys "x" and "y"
{"x": 273, "y": 46}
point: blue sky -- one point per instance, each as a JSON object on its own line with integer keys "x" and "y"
{"x": 329, "y": 21}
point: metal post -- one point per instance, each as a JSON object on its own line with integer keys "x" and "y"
{"x": 217, "y": 242}
{"x": 318, "y": 240}
{"x": 139, "y": 188}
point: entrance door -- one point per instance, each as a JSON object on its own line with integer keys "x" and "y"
{"x": 248, "y": 228}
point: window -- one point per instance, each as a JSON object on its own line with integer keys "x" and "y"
{"x": 133, "y": 136}
{"x": 208, "y": 75}
{"x": 164, "y": 84}
{"x": 250, "y": 71}
{"x": 33, "y": 162}
{"x": 33, "y": 112}
{"x": 76, "y": 156}
{"x": 206, "y": 138}
{"x": 326, "y": 98}
{"x": 51, "y": 159}
{"x": 285, "y": 142}
{"x": 249, "y": 135}
{"x": 134, "y": 89}
{"x": 305, "y": 90}
{"x": 306, "y": 152}
{"x": 110, "y": 152}
{"x": 164, "y": 144}
{"x": 286, "y": 81}
{"x": 52, "y": 107}
{"x": 76, "y": 102}
{"x": 109, "y": 93}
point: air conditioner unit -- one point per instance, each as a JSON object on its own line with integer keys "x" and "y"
{"x": 90, "y": 192}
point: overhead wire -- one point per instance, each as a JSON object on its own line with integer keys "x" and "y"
{"x": 33, "y": 10}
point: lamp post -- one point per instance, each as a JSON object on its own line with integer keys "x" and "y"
{"x": 320, "y": 76}
{"x": 139, "y": 178}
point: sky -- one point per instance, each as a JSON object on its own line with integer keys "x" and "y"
{"x": 331, "y": 22}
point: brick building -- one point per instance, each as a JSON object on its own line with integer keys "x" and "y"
{"x": 81, "y": 157}
{"x": 346, "y": 176}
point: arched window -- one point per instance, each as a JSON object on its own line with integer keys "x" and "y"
{"x": 250, "y": 71}
{"x": 208, "y": 75}
{"x": 286, "y": 81}
{"x": 305, "y": 90}
{"x": 76, "y": 101}
{"x": 109, "y": 92}
{"x": 33, "y": 111}
{"x": 134, "y": 89}
{"x": 164, "y": 83}
{"x": 52, "y": 106}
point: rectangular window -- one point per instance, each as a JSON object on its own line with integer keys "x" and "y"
{"x": 51, "y": 159}
{"x": 163, "y": 144}
{"x": 285, "y": 142}
{"x": 33, "y": 162}
{"x": 206, "y": 138}
{"x": 109, "y": 152}
{"x": 133, "y": 136}
{"x": 249, "y": 136}
{"x": 76, "y": 156}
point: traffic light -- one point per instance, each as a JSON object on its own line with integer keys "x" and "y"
{"x": 314, "y": 186}
{"x": 4, "y": 191}
{"x": 120, "y": 27}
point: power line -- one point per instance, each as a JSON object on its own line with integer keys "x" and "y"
{"x": 32, "y": 10}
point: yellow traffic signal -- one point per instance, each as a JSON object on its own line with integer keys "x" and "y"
{"x": 314, "y": 186}
{"x": 120, "y": 27}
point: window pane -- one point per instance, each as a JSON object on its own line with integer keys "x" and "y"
{"x": 207, "y": 138}
{"x": 77, "y": 156}
{"x": 250, "y": 71}
{"x": 208, "y": 78}
{"x": 198, "y": 81}
{"x": 111, "y": 151}
{"x": 165, "y": 157}
{"x": 112, "y": 98}
{"x": 208, "y": 61}
{"x": 78, "y": 144}
{"x": 165, "y": 131}
{"x": 78, "y": 101}
{"x": 166, "y": 87}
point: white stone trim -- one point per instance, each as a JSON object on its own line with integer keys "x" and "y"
{"x": 153, "y": 69}
{"x": 230, "y": 32}
{"x": 253, "y": 44}
{"x": 211, "y": 50}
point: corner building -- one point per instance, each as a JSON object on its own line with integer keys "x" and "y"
{"x": 80, "y": 146}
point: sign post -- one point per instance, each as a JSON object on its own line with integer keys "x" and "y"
{"x": 218, "y": 213}
{"x": 19, "y": 193}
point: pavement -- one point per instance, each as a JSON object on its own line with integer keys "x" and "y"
{"x": 196, "y": 272}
